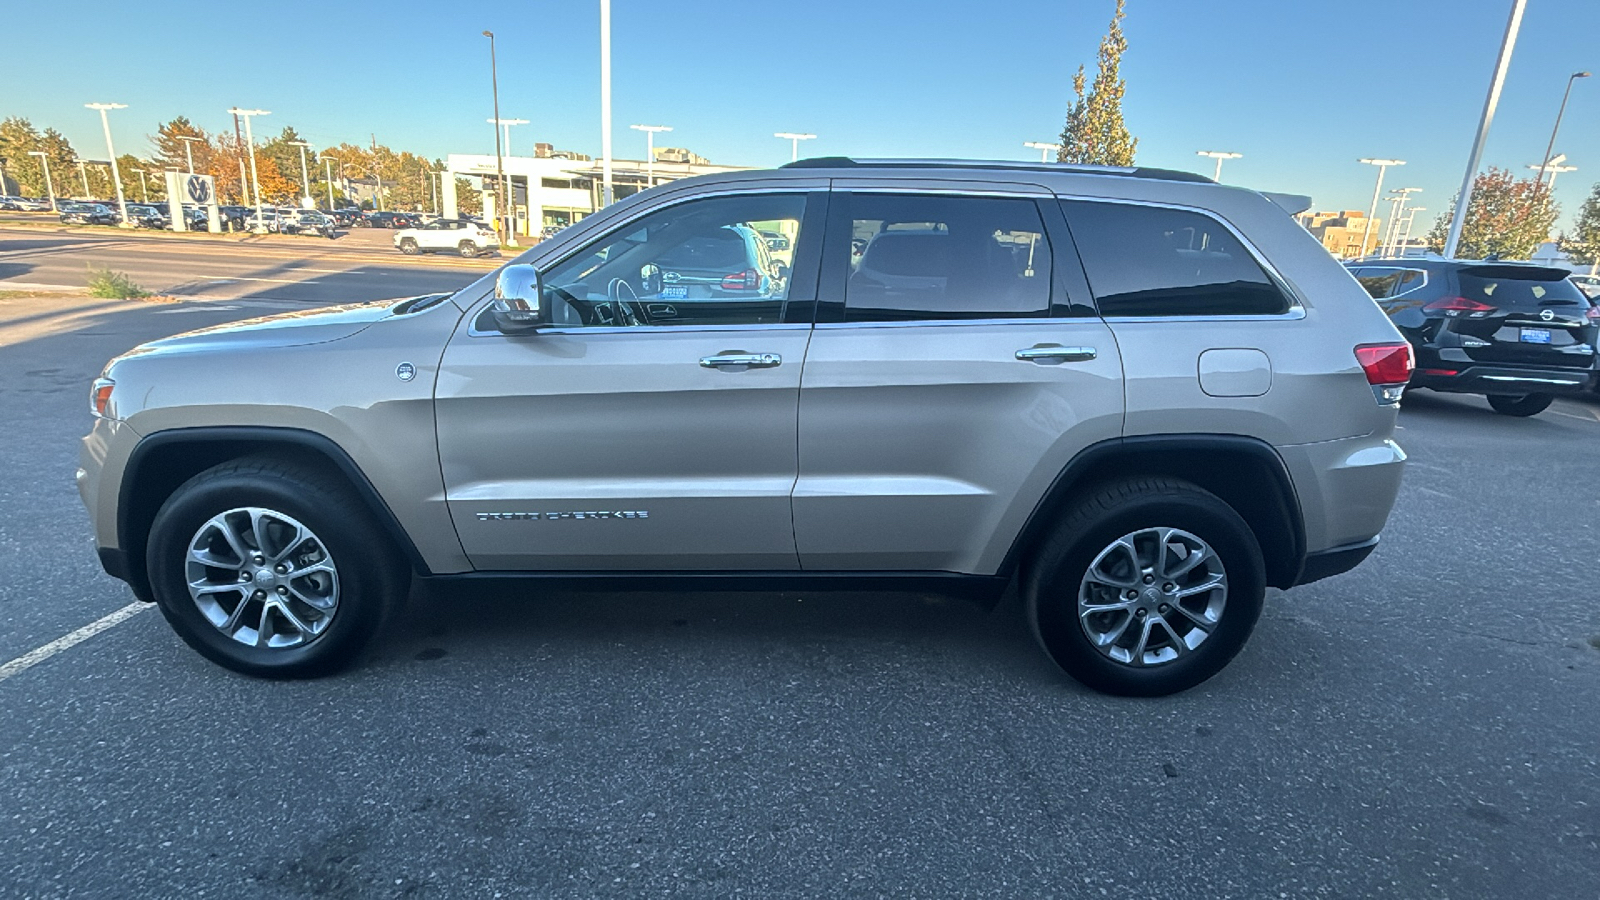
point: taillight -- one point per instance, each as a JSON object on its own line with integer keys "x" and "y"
{"x": 748, "y": 280}
{"x": 1593, "y": 313}
{"x": 1459, "y": 306}
{"x": 100, "y": 396}
{"x": 1388, "y": 368}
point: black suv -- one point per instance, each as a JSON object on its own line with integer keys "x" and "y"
{"x": 1517, "y": 333}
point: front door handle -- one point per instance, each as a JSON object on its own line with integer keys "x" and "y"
{"x": 753, "y": 360}
{"x": 1056, "y": 353}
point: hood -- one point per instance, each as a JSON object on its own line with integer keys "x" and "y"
{"x": 292, "y": 329}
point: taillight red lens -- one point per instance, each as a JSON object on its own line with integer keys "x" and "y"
{"x": 1458, "y": 305}
{"x": 748, "y": 280}
{"x": 1593, "y": 313}
{"x": 1385, "y": 363}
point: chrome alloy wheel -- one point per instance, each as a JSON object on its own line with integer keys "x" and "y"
{"x": 1152, "y": 596}
{"x": 262, "y": 578}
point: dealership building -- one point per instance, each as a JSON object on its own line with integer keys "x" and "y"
{"x": 557, "y": 188}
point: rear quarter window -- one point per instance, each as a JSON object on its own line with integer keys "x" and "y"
{"x": 1150, "y": 261}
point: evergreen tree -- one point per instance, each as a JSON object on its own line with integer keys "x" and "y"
{"x": 1095, "y": 132}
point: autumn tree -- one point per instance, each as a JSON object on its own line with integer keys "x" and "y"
{"x": 172, "y": 151}
{"x": 1095, "y": 132}
{"x": 1508, "y": 217}
{"x": 1583, "y": 244}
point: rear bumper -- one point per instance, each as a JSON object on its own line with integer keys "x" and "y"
{"x": 1506, "y": 379}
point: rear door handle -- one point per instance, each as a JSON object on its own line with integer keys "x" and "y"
{"x": 1043, "y": 353}
{"x": 753, "y": 360}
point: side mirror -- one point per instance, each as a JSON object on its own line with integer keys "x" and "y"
{"x": 649, "y": 280}
{"x": 783, "y": 272}
{"x": 516, "y": 299}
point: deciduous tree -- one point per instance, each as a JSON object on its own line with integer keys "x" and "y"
{"x": 1583, "y": 244}
{"x": 1095, "y": 132}
{"x": 1509, "y": 217}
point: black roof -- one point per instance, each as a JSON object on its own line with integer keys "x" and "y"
{"x": 845, "y": 162}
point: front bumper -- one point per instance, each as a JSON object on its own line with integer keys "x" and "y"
{"x": 1488, "y": 378}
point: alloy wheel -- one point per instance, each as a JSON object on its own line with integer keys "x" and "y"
{"x": 262, "y": 578}
{"x": 1152, "y": 596}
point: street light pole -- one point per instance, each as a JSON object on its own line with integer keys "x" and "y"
{"x": 794, "y": 150}
{"x": 255, "y": 181}
{"x": 1383, "y": 166}
{"x": 1219, "y": 156}
{"x": 49, "y": 185}
{"x": 327, "y": 173}
{"x": 1406, "y": 240}
{"x": 1044, "y": 149}
{"x": 83, "y": 173}
{"x": 605, "y": 101}
{"x": 1550, "y": 147}
{"x": 1464, "y": 198}
{"x": 650, "y": 150}
{"x": 1392, "y": 233}
{"x": 188, "y": 148}
{"x": 305, "y": 180}
{"x": 116, "y": 177}
{"x": 1554, "y": 167}
{"x": 500, "y": 199}
{"x": 505, "y": 125}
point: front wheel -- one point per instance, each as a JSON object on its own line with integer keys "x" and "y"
{"x": 272, "y": 569}
{"x": 1521, "y": 406}
{"x": 1147, "y": 587}
{"x": 409, "y": 247}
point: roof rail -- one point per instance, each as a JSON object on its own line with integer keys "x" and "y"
{"x": 845, "y": 162}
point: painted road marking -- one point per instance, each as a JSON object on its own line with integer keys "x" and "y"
{"x": 34, "y": 657}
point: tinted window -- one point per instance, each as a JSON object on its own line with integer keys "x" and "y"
{"x": 1505, "y": 287}
{"x": 1379, "y": 282}
{"x": 696, "y": 263}
{"x": 1152, "y": 261}
{"x": 946, "y": 258}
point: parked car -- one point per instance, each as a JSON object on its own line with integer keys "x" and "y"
{"x": 12, "y": 204}
{"x": 308, "y": 221}
{"x": 1589, "y": 284}
{"x": 88, "y": 214}
{"x": 390, "y": 219}
{"x": 1517, "y": 333}
{"x": 1140, "y": 396}
{"x": 147, "y": 216}
{"x": 33, "y": 204}
{"x": 775, "y": 241}
{"x": 459, "y": 236}
{"x": 347, "y": 218}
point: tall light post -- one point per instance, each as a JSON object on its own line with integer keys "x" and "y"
{"x": 500, "y": 199}
{"x": 1398, "y": 200}
{"x": 1554, "y": 167}
{"x": 116, "y": 177}
{"x": 1550, "y": 147}
{"x": 1383, "y": 166}
{"x": 605, "y": 102}
{"x": 327, "y": 173}
{"x": 1219, "y": 156}
{"x": 1405, "y": 240}
{"x": 650, "y": 150}
{"x": 189, "y": 141}
{"x": 49, "y": 185}
{"x": 83, "y": 173}
{"x": 305, "y": 179}
{"x": 144, "y": 188}
{"x": 1045, "y": 149}
{"x": 505, "y": 125}
{"x": 794, "y": 150}
{"x": 1464, "y": 197}
{"x": 250, "y": 142}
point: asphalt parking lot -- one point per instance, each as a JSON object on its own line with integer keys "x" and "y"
{"x": 1424, "y": 726}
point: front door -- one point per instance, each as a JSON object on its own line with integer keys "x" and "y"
{"x": 652, "y": 426}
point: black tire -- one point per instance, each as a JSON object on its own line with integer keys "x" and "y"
{"x": 1520, "y": 406}
{"x": 467, "y": 249}
{"x": 1052, "y": 581}
{"x": 372, "y": 577}
{"x": 409, "y": 247}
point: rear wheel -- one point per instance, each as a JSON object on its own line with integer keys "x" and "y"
{"x": 408, "y": 246}
{"x": 1521, "y": 406}
{"x": 467, "y": 249}
{"x": 272, "y": 569}
{"x": 1148, "y": 587}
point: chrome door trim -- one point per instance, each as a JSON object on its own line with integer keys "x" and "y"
{"x": 753, "y": 360}
{"x": 1064, "y": 354}
{"x": 949, "y": 323}
{"x": 474, "y": 331}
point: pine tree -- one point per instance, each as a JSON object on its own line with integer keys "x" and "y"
{"x": 1095, "y": 132}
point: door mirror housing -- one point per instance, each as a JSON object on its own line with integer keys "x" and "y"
{"x": 650, "y": 280}
{"x": 516, "y": 299}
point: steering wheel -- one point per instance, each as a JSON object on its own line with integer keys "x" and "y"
{"x": 622, "y": 310}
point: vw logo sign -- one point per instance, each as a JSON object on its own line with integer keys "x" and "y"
{"x": 199, "y": 189}
{"x": 1547, "y": 315}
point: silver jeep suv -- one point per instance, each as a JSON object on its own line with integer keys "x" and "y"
{"x": 1139, "y": 396}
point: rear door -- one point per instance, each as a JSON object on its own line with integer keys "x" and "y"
{"x": 955, "y": 369}
{"x": 1528, "y": 315}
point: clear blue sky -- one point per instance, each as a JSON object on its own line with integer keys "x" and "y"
{"x": 1301, "y": 89}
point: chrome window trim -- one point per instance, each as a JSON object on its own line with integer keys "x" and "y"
{"x": 1297, "y": 303}
{"x": 1425, "y": 278}
{"x": 474, "y": 331}
{"x": 947, "y": 323}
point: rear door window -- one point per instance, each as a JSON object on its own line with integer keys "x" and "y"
{"x": 1522, "y": 288}
{"x": 1150, "y": 261}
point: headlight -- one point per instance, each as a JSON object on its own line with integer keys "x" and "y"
{"x": 100, "y": 397}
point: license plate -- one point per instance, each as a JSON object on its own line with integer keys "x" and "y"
{"x": 679, "y": 292}
{"x": 1536, "y": 335}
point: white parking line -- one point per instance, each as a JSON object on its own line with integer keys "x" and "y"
{"x": 34, "y": 657}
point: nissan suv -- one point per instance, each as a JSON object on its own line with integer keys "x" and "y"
{"x": 1139, "y": 397}
{"x": 1517, "y": 333}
